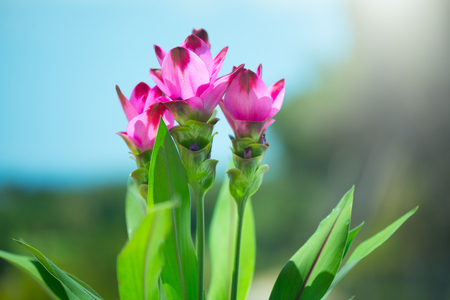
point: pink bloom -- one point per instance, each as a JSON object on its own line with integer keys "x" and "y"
{"x": 188, "y": 76}
{"x": 143, "y": 112}
{"x": 249, "y": 105}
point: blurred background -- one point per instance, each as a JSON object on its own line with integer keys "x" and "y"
{"x": 367, "y": 104}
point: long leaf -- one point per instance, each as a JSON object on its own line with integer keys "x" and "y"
{"x": 135, "y": 208}
{"x": 72, "y": 288}
{"x": 351, "y": 236}
{"x": 167, "y": 180}
{"x": 366, "y": 247}
{"x": 38, "y": 273}
{"x": 139, "y": 263}
{"x": 309, "y": 273}
{"x": 222, "y": 239}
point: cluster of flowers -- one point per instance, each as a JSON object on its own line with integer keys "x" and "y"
{"x": 187, "y": 88}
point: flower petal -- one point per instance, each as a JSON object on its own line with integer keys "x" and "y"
{"x": 248, "y": 98}
{"x": 130, "y": 143}
{"x": 229, "y": 118}
{"x": 152, "y": 97}
{"x": 128, "y": 109}
{"x": 155, "y": 74}
{"x": 201, "y": 33}
{"x": 137, "y": 130}
{"x": 218, "y": 61}
{"x": 277, "y": 91}
{"x": 155, "y": 112}
{"x": 183, "y": 72}
{"x": 160, "y": 53}
{"x": 259, "y": 70}
{"x": 139, "y": 96}
{"x": 143, "y": 128}
{"x": 185, "y": 110}
{"x": 214, "y": 93}
{"x": 199, "y": 47}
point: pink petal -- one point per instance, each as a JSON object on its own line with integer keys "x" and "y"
{"x": 196, "y": 103}
{"x": 184, "y": 73}
{"x": 199, "y": 47}
{"x": 248, "y": 98}
{"x": 143, "y": 128}
{"x": 259, "y": 71}
{"x": 277, "y": 91}
{"x": 128, "y": 109}
{"x": 168, "y": 119}
{"x": 269, "y": 122}
{"x": 155, "y": 74}
{"x": 138, "y": 96}
{"x": 131, "y": 143}
{"x": 214, "y": 93}
{"x": 152, "y": 97}
{"x": 160, "y": 54}
{"x": 201, "y": 33}
{"x": 218, "y": 61}
{"x": 229, "y": 118}
{"x": 155, "y": 113}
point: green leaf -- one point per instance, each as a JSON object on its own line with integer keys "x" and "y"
{"x": 84, "y": 284}
{"x": 167, "y": 180}
{"x": 351, "y": 236}
{"x": 222, "y": 239}
{"x": 38, "y": 273}
{"x": 309, "y": 273}
{"x": 139, "y": 263}
{"x": 366, "y": 247}
{"x": 135, "y": 208}
{"x": 73, "y": 289}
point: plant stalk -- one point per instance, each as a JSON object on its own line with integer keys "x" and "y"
{"x": 199, "y": 199}
{"x": 237, "y": 251}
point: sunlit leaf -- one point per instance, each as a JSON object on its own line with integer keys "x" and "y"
{"x": 366, "y": 247}
{"x": 135, "y": 208}
{"x": 351, "y": 236}
{"x": 222, "y": 239}
{"x": 167, "y": 180}
{"x": 309, "y": 273}
{"x": 139, "y": 263}
{"x": 72, "y": 288}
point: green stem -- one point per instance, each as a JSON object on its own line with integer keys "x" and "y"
{"x": 199, "y": 199}
{"x": 237, "y": 250}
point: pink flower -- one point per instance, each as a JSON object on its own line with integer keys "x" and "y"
{"x": 249, "y": 105}
{"x": 188, "y": 76}
{"x": 143, "y": 112}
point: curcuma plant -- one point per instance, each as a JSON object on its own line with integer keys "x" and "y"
{"x": 161, "y": 259}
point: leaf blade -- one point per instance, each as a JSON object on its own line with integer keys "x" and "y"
{"x": 167, "y": 180}
{"x": 38, "y": 273}
{"x": 139, "y": 263}
{"x": 135, "y": 208}
{"x": 369, "y": 245}
{"x": 70, "y": 285}
{"x": 308, "y": 274}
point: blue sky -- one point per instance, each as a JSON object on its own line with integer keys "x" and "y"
{"x": 60, "y": 62}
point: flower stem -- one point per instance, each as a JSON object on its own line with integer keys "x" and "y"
{"x": 199, "y": 199}
{"x": 237, "y": 251}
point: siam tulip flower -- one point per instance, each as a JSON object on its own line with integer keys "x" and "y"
{"x": 143, "y": 112}
{"x": 188, "y": 78}
{"x": 249, "y": 105}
